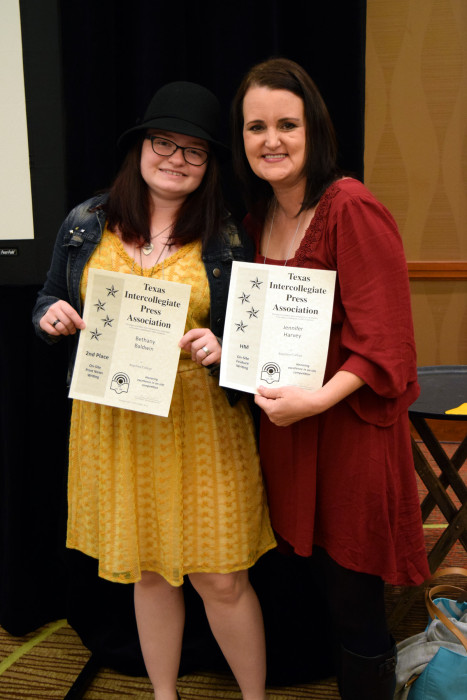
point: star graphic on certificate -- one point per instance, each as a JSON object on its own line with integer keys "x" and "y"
{"x": 256, "y": 283}
{"x": 95, "y": 335}
{"x": 111, "y": 291}
{"x": 244, "y": 297}
{"x": 253, "y": 313}
{"x": 108, "y": 321}
{"x": 100, "y": 306}
{"x": 241, "y": 326}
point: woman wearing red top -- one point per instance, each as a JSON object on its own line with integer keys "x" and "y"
{"x": 337, "y": 462}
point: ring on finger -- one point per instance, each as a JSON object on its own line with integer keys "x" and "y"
{"x": 206, "y": 350}
{"x": 57, "y": 320}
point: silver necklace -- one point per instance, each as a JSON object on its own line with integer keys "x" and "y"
{"x": 148, "y": 247}
{"x": 158, "y": 258}
{"x": 270, "y": 231}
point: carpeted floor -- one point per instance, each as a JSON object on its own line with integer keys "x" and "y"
{"x": 45, "y": 663}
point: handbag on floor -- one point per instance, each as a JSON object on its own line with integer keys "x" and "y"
{"x": 432, "y": 665}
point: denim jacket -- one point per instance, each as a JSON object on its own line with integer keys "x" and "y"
{"x": 77, "y": 239}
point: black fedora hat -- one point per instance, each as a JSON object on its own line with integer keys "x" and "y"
{"x": 184, "y": 108}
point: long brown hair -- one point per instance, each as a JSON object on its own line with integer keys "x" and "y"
{"x": 321, "y": 145}
{"x": 127, "y": 207}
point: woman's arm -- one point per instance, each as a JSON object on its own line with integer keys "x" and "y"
{"x": 54, "y": 289}
{"x": 53, "y": 301}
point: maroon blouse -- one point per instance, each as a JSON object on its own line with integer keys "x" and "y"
{"x": 345, "y": 479}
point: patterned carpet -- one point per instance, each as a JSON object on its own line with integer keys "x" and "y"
{"x": 45, "y": 663}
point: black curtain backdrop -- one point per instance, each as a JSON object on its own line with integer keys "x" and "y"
{"x": 110, "y": 75}
{"x": 90, "y": 69}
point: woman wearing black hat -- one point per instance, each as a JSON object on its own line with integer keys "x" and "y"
{"x": 156, "y": 498}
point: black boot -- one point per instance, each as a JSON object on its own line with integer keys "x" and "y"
{"x": 367, "y": 677}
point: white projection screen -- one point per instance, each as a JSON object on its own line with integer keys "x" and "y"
{"x": 16, "y": 221}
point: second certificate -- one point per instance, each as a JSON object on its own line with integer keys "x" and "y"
{"x": 277, "y": 326}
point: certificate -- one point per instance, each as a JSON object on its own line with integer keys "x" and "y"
{"x": 277, "y": 326}
{"x": 128, "y": 353}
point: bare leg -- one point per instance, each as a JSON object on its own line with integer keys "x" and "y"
{"x": 160, "y": 615}
{"x": 236, "y": 621}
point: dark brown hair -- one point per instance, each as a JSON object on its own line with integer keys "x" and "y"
{"x": 128, "y": 205}
{"x": 321, "y": 150}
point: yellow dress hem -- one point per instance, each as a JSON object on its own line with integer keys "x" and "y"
{"x": 129, "y": 578}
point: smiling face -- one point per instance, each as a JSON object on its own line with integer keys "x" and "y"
{"x": 171, "y": 177}
{"x": 274, "y": 135}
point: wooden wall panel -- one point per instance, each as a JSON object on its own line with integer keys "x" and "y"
{"x": 416, "y": 156}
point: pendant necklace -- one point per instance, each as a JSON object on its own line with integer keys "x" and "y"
{"x": 148, "y": 247}
{"x": 270, "y": 231}
{"x": 158, "y": 258}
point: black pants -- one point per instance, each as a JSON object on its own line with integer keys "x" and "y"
{"x": 355, "y": 603}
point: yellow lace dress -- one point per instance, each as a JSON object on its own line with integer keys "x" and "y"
{"x": 172, "y": 495}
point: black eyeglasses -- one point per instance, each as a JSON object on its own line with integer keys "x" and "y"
{"x": 166, "y": 147}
